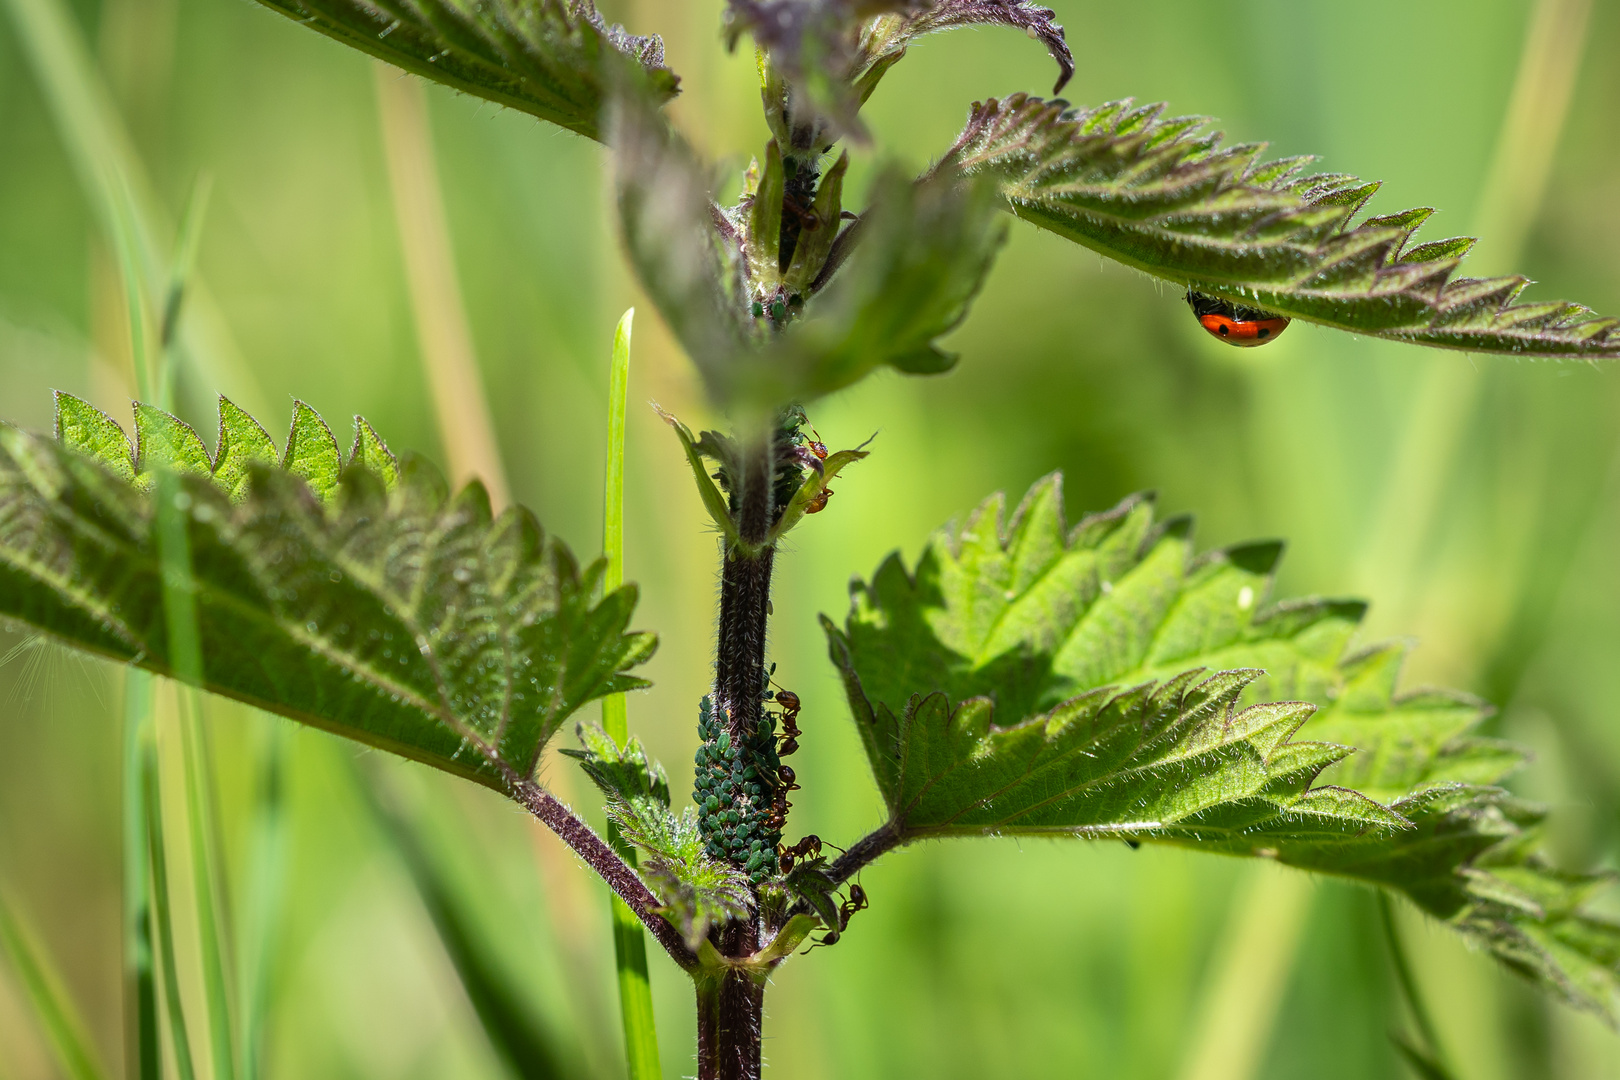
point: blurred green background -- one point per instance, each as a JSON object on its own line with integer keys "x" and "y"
{"x": 1475, "y": 500}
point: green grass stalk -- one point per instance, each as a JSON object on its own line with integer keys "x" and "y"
{"x": 204, "y": 868}
{"x": 154, "y": 369}
{"x": 444, "y": 338}
{"x": 267, "y": 886}
{"x": 521, "y": 1041}
{"x": 1435, "y": 1057}
{"x": 1446, "y": 403}
{"x": 116, "y": 185}
{"x": 64, "y": 1028}
{"x": 629, "y": 940}
{"x": 162, "y": 909}
{"x": 143, "y": 1057}
{"x": 1244, "y": 986}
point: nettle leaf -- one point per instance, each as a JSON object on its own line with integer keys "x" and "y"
{"x": 919, "y": 256}
{"x": 374, "y": 606}
{"x": 884, "y": 40}
{"x": 712, "y": 444}
{"x": 692, "y": 267}
{"x": 554, "y": 59}
{"x": 1165, "y": 196}
{"x": 906, "y": 272}
{"x": 625, "y": 774}
{"x": 696, "y": 890}
{"x": 812, "y": 50}
{"x": 95, "y": 434}
{"x": 1106, "y": 682}
{"x": 832, "y": 53}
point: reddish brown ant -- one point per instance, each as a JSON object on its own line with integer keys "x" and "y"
{"x": 808, "y": 848}
{"x": 790, "y": 721}
{"x": 812, "y": 453}
{"x": 857, "y": 902}
{"x": 779, "y": 802}
{"x": 819, "y": 503}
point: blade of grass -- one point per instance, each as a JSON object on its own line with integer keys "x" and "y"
{"x": 126, "y": 244}
{"x": 43, "y": 987}
{"x": 629, "y": 940}
{"x": 515, "y": 1033}
{"x": 262, "y": 929}
{"x": 208, "y": 863}
{"x": 1430, "y": 1059}
{"x": 185, "y": 645}
{"x": 101, "y": 151}
{"x": 1422, "y": 1065}
{"x": 162, "y": 912}
{"x": 185, "y": 260}
{"x": 144, "y": 1058}
{"x": 614, "y": 715}
{"x": 443, "y": 337}
{"x": 1239, "y": 1003}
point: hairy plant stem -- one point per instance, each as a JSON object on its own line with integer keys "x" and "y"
{"x": 623, "y": 880}
{"x": 878, "y": 842}
{"x": 731, "y": 1005}
{"x": 745, "y": 591}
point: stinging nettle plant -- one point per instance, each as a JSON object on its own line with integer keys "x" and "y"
{"x": 1027, "y": 675}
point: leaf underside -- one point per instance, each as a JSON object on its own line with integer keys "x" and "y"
{"x": 1165, "y": 196}
{"x": 1103, "y": 681}
{"x": 885, "y": 39}
{"x": 553, "y": 59}
{"x": 834, "y": 52}
{"x": 925, "y": 249}
{"x": 355, "y": 595}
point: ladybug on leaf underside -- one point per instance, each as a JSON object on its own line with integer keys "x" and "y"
{"x": 1234, "y": 324}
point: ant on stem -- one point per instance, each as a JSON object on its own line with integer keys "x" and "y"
{"x": 857, "y": 902}
{"x": 790, "y": 721}
{"x": 786, "y": 782}
{"x": 819, "y": 449}
{"x": 808, "y": 848}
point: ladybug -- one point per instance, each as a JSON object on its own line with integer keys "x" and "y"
{"x": 1244, "y": 327}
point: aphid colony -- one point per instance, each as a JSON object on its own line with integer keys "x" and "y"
{"x": 739, "y": 789}
{"x": 797, "y": 456}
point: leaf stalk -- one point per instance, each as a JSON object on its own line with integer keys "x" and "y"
{"x": 606, "y": 863}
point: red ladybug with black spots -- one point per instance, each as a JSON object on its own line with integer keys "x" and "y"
{"x": 1234, "y": 324}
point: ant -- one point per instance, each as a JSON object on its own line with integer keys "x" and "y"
{"x": 786, "y": 782}
{"x": 819, "y": 449}
{"x": 790, "y": 721}
{"x": 857, "y": 902}
{"x": 811, "y": 453}
{"x": 808, "y": 219}
{"x": 808, "y": 848}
